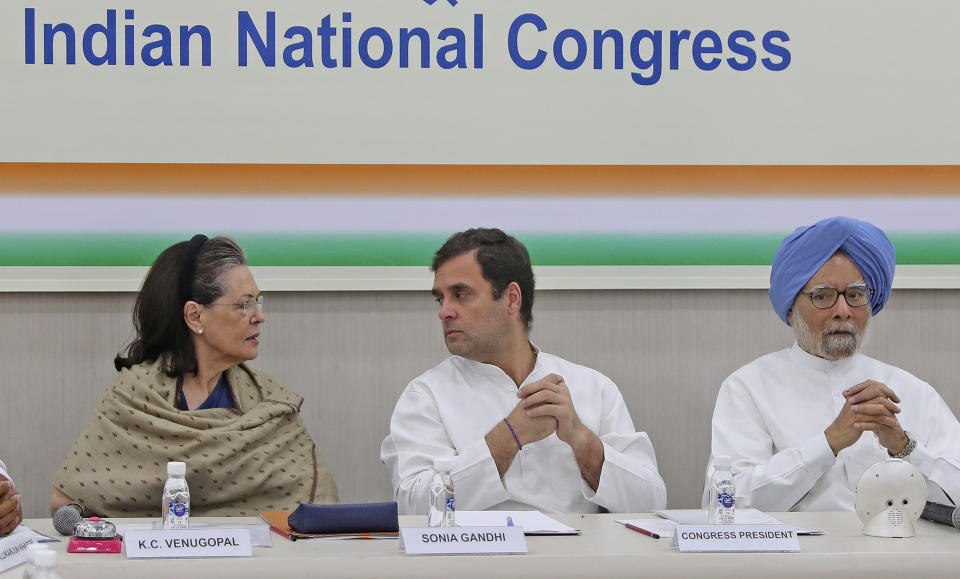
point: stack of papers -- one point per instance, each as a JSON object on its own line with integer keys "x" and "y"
{"x": 532, "y": 522}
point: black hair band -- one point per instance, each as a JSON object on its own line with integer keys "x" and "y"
{"x": 188, "y": 263}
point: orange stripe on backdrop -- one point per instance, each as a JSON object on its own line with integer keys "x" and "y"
{"x": 117, "y": 178}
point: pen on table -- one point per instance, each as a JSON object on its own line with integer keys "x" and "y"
{"x": 644, "y": 531}
{"x": 509, "y": 521}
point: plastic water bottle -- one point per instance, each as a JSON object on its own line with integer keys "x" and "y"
{"x": 30, "y": 567}
{"x": 442, "y": 502}
{"x": 46, "y": 563}
{"x": 722, "y": 508}
{"x": 176, "y": 497}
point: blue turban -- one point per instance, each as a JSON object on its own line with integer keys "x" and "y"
{"x": 806, "y": 250}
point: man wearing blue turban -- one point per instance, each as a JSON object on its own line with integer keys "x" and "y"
{"x": 792, "y": 421}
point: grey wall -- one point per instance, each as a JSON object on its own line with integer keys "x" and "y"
{"x": 350, "y": 354}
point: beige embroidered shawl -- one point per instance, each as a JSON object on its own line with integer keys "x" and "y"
{"x": 260, "y": 458}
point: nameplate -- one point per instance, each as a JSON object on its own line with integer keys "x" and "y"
{"x": 736, "y": 538}
{"x": 13, "y": 550}
{"x": 187, "y": 543}
{"x": 463, "y": 541}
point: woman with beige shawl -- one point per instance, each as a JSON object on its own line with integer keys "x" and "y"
{"x": 185, "y": 394}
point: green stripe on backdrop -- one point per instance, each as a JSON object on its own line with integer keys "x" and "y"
{"x": 415, "y": 249}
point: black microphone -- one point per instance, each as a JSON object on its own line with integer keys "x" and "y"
{"x": 943, "y": 514}
{"x": 67, "y": 517}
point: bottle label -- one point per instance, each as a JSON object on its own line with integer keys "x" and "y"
{"x": 177, "y": 515}
{"x": 725, "y": 501}
{"x": 179, "y": 509}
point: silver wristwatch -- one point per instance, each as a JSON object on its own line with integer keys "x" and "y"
{"x": 903, "y": 454}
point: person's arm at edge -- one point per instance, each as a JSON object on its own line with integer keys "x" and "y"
{"x": 11, "y": 506}
{"x": 937, "y": 454}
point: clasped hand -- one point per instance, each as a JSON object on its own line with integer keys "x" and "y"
{"x": 545, "y": 407}
{"x": 869, "y": 406}
{"x": 11, "y": 509}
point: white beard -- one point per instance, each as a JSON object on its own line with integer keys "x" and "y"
{"x": 831, "y": 345}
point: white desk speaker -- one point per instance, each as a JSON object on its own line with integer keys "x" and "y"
{"x": 890, "y": 497}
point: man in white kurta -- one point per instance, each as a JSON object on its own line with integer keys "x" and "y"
{"x": 771, "y": 415}
{"x": 447, "y": 411}
{"x": 803, "y": 424}
{"x": 524, "y": 429}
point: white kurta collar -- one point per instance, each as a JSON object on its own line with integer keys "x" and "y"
{"x": 830, "y": 367}
{"x": 495, "y": 372}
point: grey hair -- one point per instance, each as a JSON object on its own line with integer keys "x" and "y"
{"x": 161, "y": 331}
{"x": 219, "y": 255}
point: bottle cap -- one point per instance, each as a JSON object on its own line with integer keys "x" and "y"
{"x": 176, "y": 468}
{"x": 443, "y": 465}
{"x": 33, "y": 548}
{"x": 45, "y": 558}
{"x": 722, "y": 462}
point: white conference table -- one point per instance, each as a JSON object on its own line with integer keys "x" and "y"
{"x": 605, "y": 549}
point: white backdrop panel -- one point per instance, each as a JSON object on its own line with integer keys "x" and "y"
{"x": 856, "y": 82}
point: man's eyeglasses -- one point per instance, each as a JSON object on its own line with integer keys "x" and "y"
{"x": 822, "y": 298}
{"x": 248, "y": 306}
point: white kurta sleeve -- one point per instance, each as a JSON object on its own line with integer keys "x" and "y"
{"x": 764, "y": 480}
{"x": 937, "y": 454}
{"x": 3, "y": 471}
{"x": 629, "y": 479}
{"x": 418, "y": 438}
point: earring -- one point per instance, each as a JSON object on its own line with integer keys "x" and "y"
{"x": 200, "y": 331}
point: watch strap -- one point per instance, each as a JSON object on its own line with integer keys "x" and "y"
{"x": 903, "y": 454}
